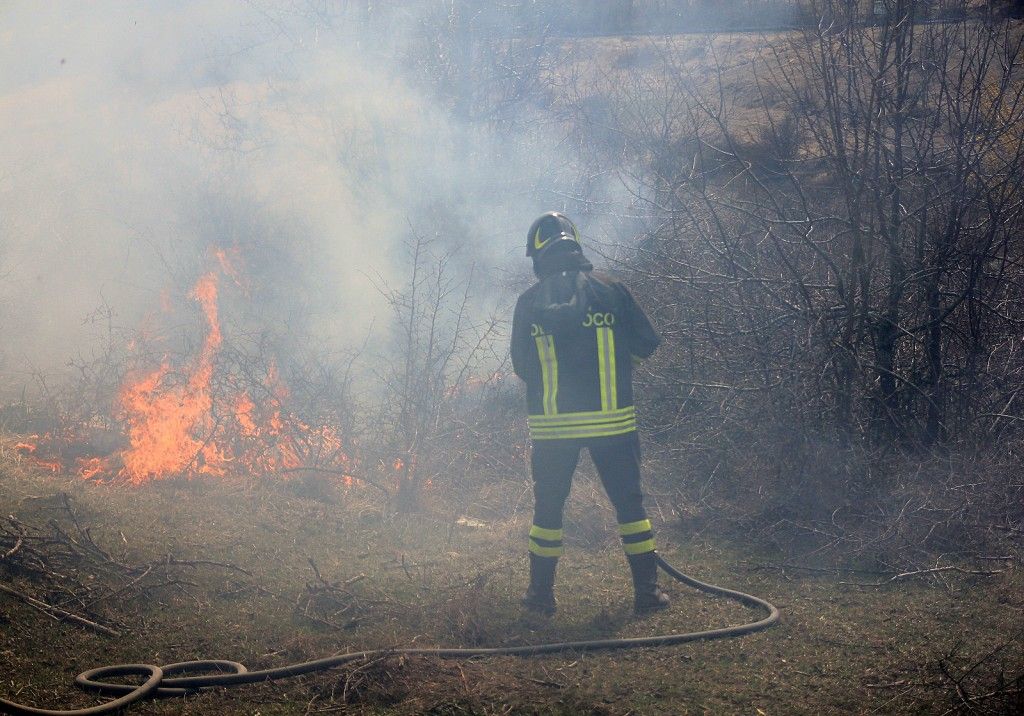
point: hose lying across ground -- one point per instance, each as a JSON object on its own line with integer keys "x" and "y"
{"x": 167, "y": 681}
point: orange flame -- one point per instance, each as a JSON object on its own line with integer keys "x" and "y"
{"x": 29, "y": 451}
{"x": 90, "y": 467}
{"x": 244, "y": 408}
{"x": 178, "y": 424}
{"x": 164, "y": 419}
{"x": 228, "y": 259}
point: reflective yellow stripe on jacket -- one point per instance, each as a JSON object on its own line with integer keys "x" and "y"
{"x": 606, "y": 368}
{"x": 610, "y": 420}
{"x": 590, "y": 424}
{"x": 548, "y": 372}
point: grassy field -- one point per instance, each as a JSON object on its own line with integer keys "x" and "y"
{"x": 429, "y": 581}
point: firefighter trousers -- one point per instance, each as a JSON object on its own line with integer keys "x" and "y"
{"x": 553, "y": 463}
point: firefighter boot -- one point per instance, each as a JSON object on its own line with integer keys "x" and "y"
{"x": 540, "y": 595}
{"x": 647, "y": 595}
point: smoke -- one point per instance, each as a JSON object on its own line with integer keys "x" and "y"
{"x": 139, "y": 137}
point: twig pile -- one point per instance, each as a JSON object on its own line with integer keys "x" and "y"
{"x": 60, "y": 570}
{"x": 329, "y": 604}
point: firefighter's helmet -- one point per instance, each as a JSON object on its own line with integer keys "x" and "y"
{"x": 549, "y": 229}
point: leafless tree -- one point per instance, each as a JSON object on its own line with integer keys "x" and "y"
{"x": 848, "y": 236}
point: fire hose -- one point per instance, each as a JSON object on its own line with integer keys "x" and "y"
{"x": 170, "y": 680}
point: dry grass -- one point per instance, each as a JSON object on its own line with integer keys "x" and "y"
{"x": 429, "y": 581}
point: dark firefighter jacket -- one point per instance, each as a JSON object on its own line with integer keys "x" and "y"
{"x": 574, "y": 337}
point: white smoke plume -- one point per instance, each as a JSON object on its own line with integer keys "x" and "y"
{"x": 136, "y": 136}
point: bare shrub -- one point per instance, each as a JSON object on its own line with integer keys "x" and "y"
{"x": 439, "y": 372}
{"x": 832, "y": 250}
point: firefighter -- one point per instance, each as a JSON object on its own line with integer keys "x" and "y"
{"x": 575, "y": 335}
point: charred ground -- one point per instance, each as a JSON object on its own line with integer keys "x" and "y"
{"x": 264, "y": 574}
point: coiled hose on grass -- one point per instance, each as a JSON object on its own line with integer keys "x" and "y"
{"x": 170, "y": 680}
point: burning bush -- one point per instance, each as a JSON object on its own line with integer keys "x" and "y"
{"x": 219, "y": 412}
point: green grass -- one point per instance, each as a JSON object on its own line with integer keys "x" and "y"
{"x": 840, "y": 648}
